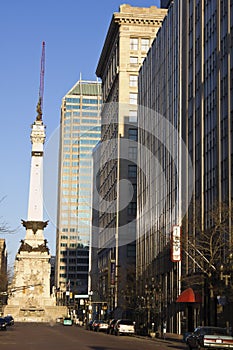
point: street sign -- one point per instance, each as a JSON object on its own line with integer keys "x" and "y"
{"x": 176, "y": 243}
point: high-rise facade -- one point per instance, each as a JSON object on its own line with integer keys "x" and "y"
{"x": 79, "y": 133}
{"x": 187, "y": 79}
{"x": 128, "y": 40}
{"x": 158, "y": 187}
{"x": 165, "y": 3}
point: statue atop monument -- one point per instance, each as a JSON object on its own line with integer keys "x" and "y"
{"x": 39, "y": 110}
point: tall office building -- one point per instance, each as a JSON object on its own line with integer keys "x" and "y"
{"x": 79, "y": 133}
{"x": 165, "y": 3}
{"x": 128, "y": 40}
{"x": 158, "y": 188}
{"x": 187, "y": 78}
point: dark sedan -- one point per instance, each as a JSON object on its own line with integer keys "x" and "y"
{"x": 9, "y": 320}
{"x": 3, "y": 324}
{"x": 204, "y": 337}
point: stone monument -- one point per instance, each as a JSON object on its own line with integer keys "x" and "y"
{"x": 30, "y": 297}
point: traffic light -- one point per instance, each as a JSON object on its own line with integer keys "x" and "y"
{"x": 104, "y": 306}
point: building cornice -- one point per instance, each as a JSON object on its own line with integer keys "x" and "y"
{"x": 120, "y": 18}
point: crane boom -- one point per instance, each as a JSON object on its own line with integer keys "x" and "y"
{"x": 41, "y": 89}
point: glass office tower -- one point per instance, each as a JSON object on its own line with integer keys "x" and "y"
{"x": 79, "y": 133}
{"x": 187, "y": 78}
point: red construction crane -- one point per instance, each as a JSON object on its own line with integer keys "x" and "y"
{"x": 41, "y": 90}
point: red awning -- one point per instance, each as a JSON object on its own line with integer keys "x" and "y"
{"x": 189, "y": 296}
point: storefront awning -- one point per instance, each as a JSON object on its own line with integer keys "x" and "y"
{"x": 189, "y": 296}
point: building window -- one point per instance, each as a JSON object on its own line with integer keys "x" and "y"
{"x": 133, "y": 153}
{"x": 133, "y": 80}
{"x": 64, "y": 237}
{"x": 132, "y": 171}
{"x": 133, "y": 59}
{"x": 133, "y": 98}
{"x": 132, "y": 208}
{"x": 133, "y": 43}
{"x": 145, "y": 43}
{"x": 131, "y": 250}
{"x": 133, "y": 116}
{"x": 133, "y": 134}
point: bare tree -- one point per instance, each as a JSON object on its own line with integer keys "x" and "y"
{"x": 209, "y": 243}
{"x": 208, "y": 253}
{"x": 5, "y": 273}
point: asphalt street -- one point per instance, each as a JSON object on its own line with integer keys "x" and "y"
{"x": 36, "y": 336}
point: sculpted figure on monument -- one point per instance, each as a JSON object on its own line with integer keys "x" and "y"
{"x": 39, "y": 110}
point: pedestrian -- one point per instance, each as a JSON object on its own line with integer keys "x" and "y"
{"x": 164, "y": 330}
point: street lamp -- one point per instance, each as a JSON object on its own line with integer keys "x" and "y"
{"x": 150, "y": 304}
{"x": 90, "y": 305}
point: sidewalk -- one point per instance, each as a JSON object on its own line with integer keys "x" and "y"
{"x": 173, "y": 337}
{"x": 169, "y": 337}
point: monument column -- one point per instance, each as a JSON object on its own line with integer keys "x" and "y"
{"x": 29, "y": 295}
{"x": 35, "y": 224}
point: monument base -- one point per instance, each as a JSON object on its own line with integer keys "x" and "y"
{"x": 47, "y": 314}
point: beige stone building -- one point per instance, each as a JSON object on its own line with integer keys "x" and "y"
{"x": 129, "y": 37}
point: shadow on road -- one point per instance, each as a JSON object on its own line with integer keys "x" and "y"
{"x": 177, "y": 347}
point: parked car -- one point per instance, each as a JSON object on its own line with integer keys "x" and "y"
{"x": 9, "y": 320}
{"x": 100, "y": 326}
{"x": 210, "y": 337}
{"x": 3, "y": 324}
{"x": 59, "y": 320}
{"x": 90, "y": 325}
{"x": 111, "y": 325}
{"x": 94, "y": 324}
{"x": 124, "y": 326}
{"x": 67, "y": 321}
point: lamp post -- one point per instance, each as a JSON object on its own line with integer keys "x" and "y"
{"x": 90, "y": 305}
{"x": 150, "y": 304}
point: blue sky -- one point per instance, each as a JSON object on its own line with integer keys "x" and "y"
{"x": 74, "y": 33}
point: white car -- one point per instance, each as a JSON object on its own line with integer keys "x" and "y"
{"x": 124, "y": 326}
{"x": 100, "y": 326}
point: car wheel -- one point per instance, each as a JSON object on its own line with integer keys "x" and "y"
{"x": 191, "y": 348}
